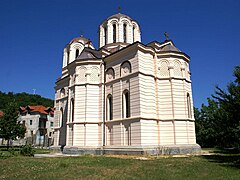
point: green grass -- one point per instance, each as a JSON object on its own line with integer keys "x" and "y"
{"x": 218, "y": 166}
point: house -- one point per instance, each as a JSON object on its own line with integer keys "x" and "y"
{"x": 124, "y": 97}
{"x": 39, "y": 122}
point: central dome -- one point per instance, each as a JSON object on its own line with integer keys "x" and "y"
{"x": 119, "y": 15}
{"x": 118, "y": 29}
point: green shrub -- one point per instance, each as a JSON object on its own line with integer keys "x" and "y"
{"x": 27, "y": 150}
{"x": 12, "y": 152}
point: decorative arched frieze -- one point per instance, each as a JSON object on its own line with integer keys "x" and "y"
{"x": 81, "y": 72}
{"x": 125, "y": 68}
{"x": 177, "y": 68}
{"x": 187, "y": 73}
{"x": 94, "y": 77}
{"x": 110, "y": 74}
{"x": 164, "y": 68}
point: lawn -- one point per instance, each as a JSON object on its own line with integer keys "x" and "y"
{"x": 217, "y": 166}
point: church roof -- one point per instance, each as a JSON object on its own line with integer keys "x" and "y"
{"x": 170, "y": 47}
{"x": 80, "y": 39}
{"x": 88, "y": 53}
{"x": 119, "y": 15}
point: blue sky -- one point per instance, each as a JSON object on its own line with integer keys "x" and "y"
{"x": 33, "y": 34}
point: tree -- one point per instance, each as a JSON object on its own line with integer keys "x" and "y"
{"x": 24, "y": 99}
{"x": 218, "y": 123}
{"x": 229, "y": 104}
{"x": 10, "y": 129}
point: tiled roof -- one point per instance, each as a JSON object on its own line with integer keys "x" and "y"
{"x": 41, "y": 109}
{"x": 1, "y": 113}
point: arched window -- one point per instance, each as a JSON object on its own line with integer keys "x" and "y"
{"x": 189, "y": 107}
{"x": 105, "y": 35}
{"x": 61, "y": 117}
{"x": 109, "y": 107}
{"x": 126, "y": 104}
{"x": 77, "y": 53}
{"x": 114, "y": 33}
{"x": 72, "y": 110}
{"x": 133, "y": 33}
{"x": 62, "y": 92}
{"x": 124, "y": 33}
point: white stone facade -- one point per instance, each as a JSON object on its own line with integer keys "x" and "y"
{"x": 124, "y": 97}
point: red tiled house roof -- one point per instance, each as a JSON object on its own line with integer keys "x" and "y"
{"x": 40, "y": 109}
{"x": 1, "y": 113}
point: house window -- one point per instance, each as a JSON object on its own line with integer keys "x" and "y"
{"x": 125, "y": 33}
{"x": 77, "y": 53}
{"x": 50, "y": 134}
{"x": 126, "y": 104}
{"x": 189, "y": 108}
{"x": 30, "y": 122}
{"x": 51, "y": 124}
{"x": 114, "y": 33}
{"x": 109, "y": 107}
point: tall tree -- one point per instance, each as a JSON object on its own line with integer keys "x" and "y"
{"x": 229, "y": 104}
{"x": 218, "y": 123}
{"x": 10, "y": 129}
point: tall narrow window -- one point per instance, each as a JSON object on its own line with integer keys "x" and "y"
{"x": 68, "y": 57}
{"x": 77, "y": 53}
{"x": 124, "y": 33}
{"x": 114, "y": 33}
{"x": 189, "y": 108}
{"x": 105, "y": 35}
{"x": 72, "y": 110}
{"x": 109, "y": 107}
{"x": 61, "y": 117}
{"x": 126, "y": 104}
{"x": 62, "y": 92}
{"x": 30, "y": 122}
{"x": 133, "y": 33}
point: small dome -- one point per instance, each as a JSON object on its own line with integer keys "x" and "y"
{"x": 81, "y": 39}
{"x": 170, "y": 47}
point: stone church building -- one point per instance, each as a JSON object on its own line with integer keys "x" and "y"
{"x": 124, "y": 97}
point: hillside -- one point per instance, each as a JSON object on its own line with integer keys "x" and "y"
{"x": 24, "y": 99}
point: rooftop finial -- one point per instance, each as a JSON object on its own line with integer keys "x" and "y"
{"x": 166, "y": 35}
{"x": 81, "y": 33}
{"x": 119, "y": 8}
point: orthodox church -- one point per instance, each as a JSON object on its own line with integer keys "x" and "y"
{"x": 125, "y": 97}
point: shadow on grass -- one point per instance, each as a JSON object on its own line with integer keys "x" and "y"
{"x": 225, "y": 158}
